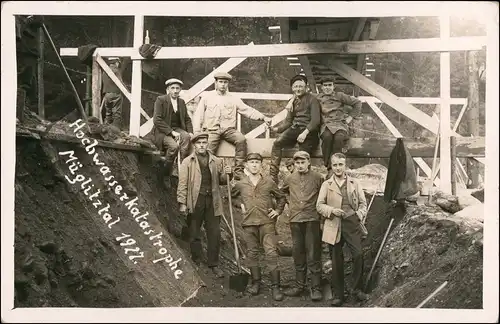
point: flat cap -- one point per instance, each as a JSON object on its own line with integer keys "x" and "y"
{"x": 169, "y": 82}
{"x": 199, "y": 135}
{"x": 254, "y": 156}
{"x": 113, "y": 59}
{"x": 298, "y": 77}
{"x": 223, "y": 75}
{"x": 301, "y": 155}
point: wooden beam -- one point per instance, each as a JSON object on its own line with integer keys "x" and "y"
{"x": 40, "y": 82}
{"x": 96, "y": 88}
{"x": 445, "y": 115}
{"x": 105, "y": 67}
{"x": 199, "y": 87}
{"x": 460, "y": 116}
{"x": 417, "y": 45}
{"x": 304, "y": 61}
{"x": 136, "y": 88}
{"x": 262, "y": 128}
{"x": 421, "y": 163}
{"x": 366, "y": 147}
{"x": 359, "y": 29}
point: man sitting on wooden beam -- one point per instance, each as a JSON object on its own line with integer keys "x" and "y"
{"x": 335, "y": 120}
{"x": 217, "y": 112}
{"x": 172, "y": 128}
{"x": 300, "y": 126}
{"x": 113, "y": 98}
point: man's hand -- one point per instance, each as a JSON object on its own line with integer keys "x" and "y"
{"x": 183, "y": 209}
{"x": 268, "y": 121}
{"x": 175, "y": 135}
{"x": 228, "y": 169}
{"x": 348, "y": 120}
{"x": 302, "y": 137}
{"x": 275, "y": 129}
{"x": 190, "y": 135}
{"x": 338, "y": 212}
{"x": 272, "y": 213}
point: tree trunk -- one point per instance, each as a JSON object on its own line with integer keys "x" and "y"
{"x": 473, "y": 114}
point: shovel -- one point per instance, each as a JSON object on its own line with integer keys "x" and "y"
{"x": 239, "y": 281}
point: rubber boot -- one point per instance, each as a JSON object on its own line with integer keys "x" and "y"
{"x": 316, "y": 293}
{"x": 254, "y": 288}
{"x": 300, "y": 283}
{"x": 275, "y": 282}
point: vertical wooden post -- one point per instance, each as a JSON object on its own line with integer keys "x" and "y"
{"x": 41, "y": 59}
{"x": 96, "y": 88}
{"x": 135, "y": 103}
{"x": 88, "y": 90}
{"x": 445, "y": 116}
{"x": 453, "y": 153}
{"x": 473, "y": 114}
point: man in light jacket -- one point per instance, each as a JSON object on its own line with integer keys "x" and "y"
{"x": 217, "y": 112}
{"x": 342, "y": 203}
{"x": 198, "y": 194}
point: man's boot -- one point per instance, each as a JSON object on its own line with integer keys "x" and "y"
{"x": 166, "y": 174}
{"x": 255, "y": 286}
{"x": 300, "y": 283}
{"x": 275, "y": 282}
{"x": 316, "y": 293}
{"x": 274, "y": 166}
{"x": 239, "y": 168}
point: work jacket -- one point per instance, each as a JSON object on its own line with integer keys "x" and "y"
{"x": 330, "y": 198}
{"x": 334, "y": 111}
{"x": 162, "y": 118}
{"x": 189, "y": 185}
{"x": 218, "y": 112}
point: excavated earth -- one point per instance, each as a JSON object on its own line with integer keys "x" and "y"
{"x": 66, "y": 256}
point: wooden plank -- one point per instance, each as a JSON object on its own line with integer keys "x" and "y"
{"x": 460, "y": 116}
{"x": 418, "y": 45}
{"x": 96, "y": 88}
{"x": 262, "y": 128}
{"x": 40, "y": 81}
{"x": 304, "y": 61}
{"x": 136, "y": 88}
{"x": 420, "y": 162}
{"x": 453, "y": 156}
{"x": 199, "y": 87}
{"x": 360, "y": 26}
{"x": 367, "y": 147}
{"x": 105, "y": 67}
{"x": 445, "y": 114}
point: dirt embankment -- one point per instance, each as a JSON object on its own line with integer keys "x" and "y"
{"x": 65, "y": 255}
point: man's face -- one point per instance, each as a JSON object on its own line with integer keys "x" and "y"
{"x": 290, "y": 168}
{"x": 254, "y": 166}
{"x": 328, "y": 87}
{"x": 114, "y": 65}
{"x": 299, "y": 88}
{"x": 174, "y": 90}
{"x": 338, "y": 166}
{"x": 221, "y": 85}
{"x": 200, "y": 146}
{"x": 301, "y": 165}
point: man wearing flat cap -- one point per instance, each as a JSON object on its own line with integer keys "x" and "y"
{"x": 336, "y": 118}
{"x": 172, "y": 128}
{"x": 198, "y": 194}
{"x": 217, "y": 113}
{"x": 301, "y": 124}
{"x": 256, "y": 194}
{"x": 302, "y": 188}
{"x": 113, "y": 98}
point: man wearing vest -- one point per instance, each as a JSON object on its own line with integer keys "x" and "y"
{"x": 303, "y": 186}
{"x": 300, "y": 126}
{"x": 113, "y": 97}
{"x": 256, "y": 193}
{"x": 336, "y": 119}
{"x": 342, "y": 203}
{"x": 198, "y": 194}
{"x": 217, "y": 113}
{"x": 172, "y": 128}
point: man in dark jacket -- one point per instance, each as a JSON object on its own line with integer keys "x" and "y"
{"x": 300, "y": 126}
{"x": 172, "y": 128}
{"x": 335, "y": 120}
{"x": 259, "y": 221}
{"x": 27, "y": 54}
{"x": 113, "y": 98}
{"x": 303, "y": 187}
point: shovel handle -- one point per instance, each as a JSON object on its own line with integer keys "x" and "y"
{"x": 236, "y": 252}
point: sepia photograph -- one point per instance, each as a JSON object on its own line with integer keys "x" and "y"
{"x": 257, "y": 161}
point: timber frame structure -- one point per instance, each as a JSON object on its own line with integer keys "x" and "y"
{"x": 323, "y": 47}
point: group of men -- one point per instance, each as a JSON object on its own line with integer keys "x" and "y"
{"x": 331, "y": 210}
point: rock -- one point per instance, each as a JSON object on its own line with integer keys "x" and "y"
{"x": 371, "y": 176}
{"x": 28, "y": 263}
{"x": 465, "y": 200}
{"x": 48, "y": 247}
{"x": 473, "y": 212}
{"x": 447, "y": 202}
{"x": 41, "y": 272}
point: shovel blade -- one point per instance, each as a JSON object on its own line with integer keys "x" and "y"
{"x": 238, "y": 282}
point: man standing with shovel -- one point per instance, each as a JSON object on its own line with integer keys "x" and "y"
{"x": 259, "y": 221}
{"x": 198, "y": 194}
